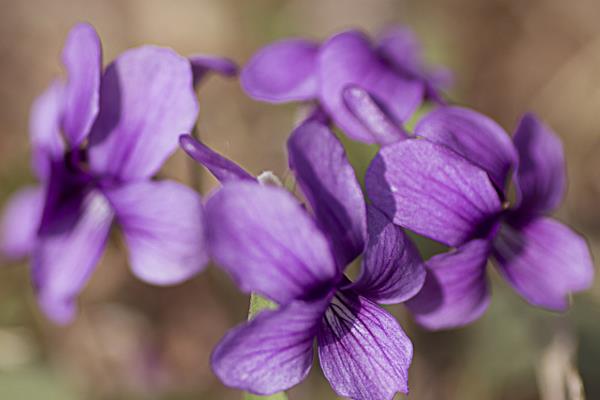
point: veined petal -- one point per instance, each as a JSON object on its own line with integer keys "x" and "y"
{"x": 328, "y": 182}
{"x": 203, "y": 64}
{"x": 349, "y": 59}
{"x": 82, "y": 57}
{"x": 147, "y": 99}
{"x": 544, "y": 261}
{"x": 456, "y": 289}
{"x": 433, "y": 191}
{"x": 20, "y": 222}
{"x": 45, "y": 129}
{"x": 64, "y": 259}
{"x": 541, "y": 177}
{"x": 282, "y": 71}
{"x": 222, "y": 168}
{"x": 163, "y": 223}
{"x": 272, "y": 352}
{"x": 475, "y": 136}
{"x": 364, "y": 353}
{"x": 268, "y": 243}
{"x": 392, "y": 268}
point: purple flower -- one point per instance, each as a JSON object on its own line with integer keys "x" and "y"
{"x": 273, "y": 246}
{"x": 450, "y": 185}
{"x": 391, "y": 73}
{"x": 98, "y": 138}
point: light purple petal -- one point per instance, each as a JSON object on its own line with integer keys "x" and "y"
{"x": 328, "y": 182}
{"x": 272, "y": 352}
{"x": 433, "y": 191}
{"x": 65, "y": 258}
{"x": 282, "y": 71}
{"x": 349, "y": 59}
{"x": 399, "y": 46}
{"x": 163, "y": 223}
{"x": 392, "y": 268}
{"x": 222, "y": 168}
{"x": 45, "y": 129}
{"x": 82, "y": 56}
{"x": 268, "y": 243}
{"x": 456, "y": 289}
{"x": 474, "y": 136}
{"x": 363, "y": 351}
{"x": 20, "y": 222}
{"x": 541, "y": 176}
{"x": 544, "y": 261}
{"x": 364, "y": 108}
{"x": 147, "y": 100}
{"x": 203, "y": 64}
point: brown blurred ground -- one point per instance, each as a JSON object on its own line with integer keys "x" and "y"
{"x": 133, "y": 341}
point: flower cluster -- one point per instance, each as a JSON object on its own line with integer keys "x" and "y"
{"x": 99, "y": 137}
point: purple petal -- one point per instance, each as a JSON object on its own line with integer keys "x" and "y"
{"x": 474, "y": 136}
{"x": 363, "y": 351}
{"x": 268, "y": 243}
{"x": 203, "y": 64}
{"x": 456, "y": 288}
{"x": 373, "y": 117}
{"x": 163, "y": 223}
{"x": 147, "y": 100}
{"x": 399, "y": 46}
{"x": 45, "y": 130}
{"x": 544, "y": 261}
{"x": 433, "y": 191}
{"x": 541, "y": 176}
{"x": 20, "y": 222}
{"x": 82, "y": 56}
{"x": 349, "y": 59}
{"x": 392, "y": 268}
{"x": 222, "y": 168}
{"x": 283, "y": 71}
{"x": 65, "y": 258}
{"x": 328, "y": 182}
{"x": 272, "y": 352}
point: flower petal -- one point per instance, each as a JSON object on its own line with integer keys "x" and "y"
{"x": 329, "y": 183}
{"x": 363, "y": 351}
{"x": 20, "y": 222}
{"x": 222, "y": 168}
{"x": 541, "y": 176}
{"x": 349, "y": 59}
{"x": 45, "y": 130}
{"x": 474, "y": 136}
{"x": 65, "y": 258}
{"x": 203, "y": 64}
{"x": 392, "y": 268}
{"x": 82, "y": 56}
{"x": 268, "y": 243}
{"x": 163, "y": 223}
{"x": 433, "y": 191}
{"x": 362, "y": 105}
{"x": 272, "y": 352}
{"x": 456, "y": 289}
{"x": 282, "y": 71}
{"x": 147, "y": 100}
{"x": 544, "y": 261}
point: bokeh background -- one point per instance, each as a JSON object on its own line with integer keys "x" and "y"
{"x": 133, "y": 341}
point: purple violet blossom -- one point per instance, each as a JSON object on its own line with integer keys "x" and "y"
{"x": 273, "y": 246}
{"x": 390, "y": 73}
{"x": 97, "y": 140}
{"x": 450, "y": 185}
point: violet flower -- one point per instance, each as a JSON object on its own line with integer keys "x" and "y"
{"x": 450, "y": 185}
{"x": 390, "y": 73}
{"x": 97, "y": 140}
{"x": 273, "y": 246}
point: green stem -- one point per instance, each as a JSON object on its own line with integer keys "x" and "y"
{"x": 258, "y": 304}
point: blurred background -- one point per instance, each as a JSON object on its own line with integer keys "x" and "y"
{"x": 133, "y": 341}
